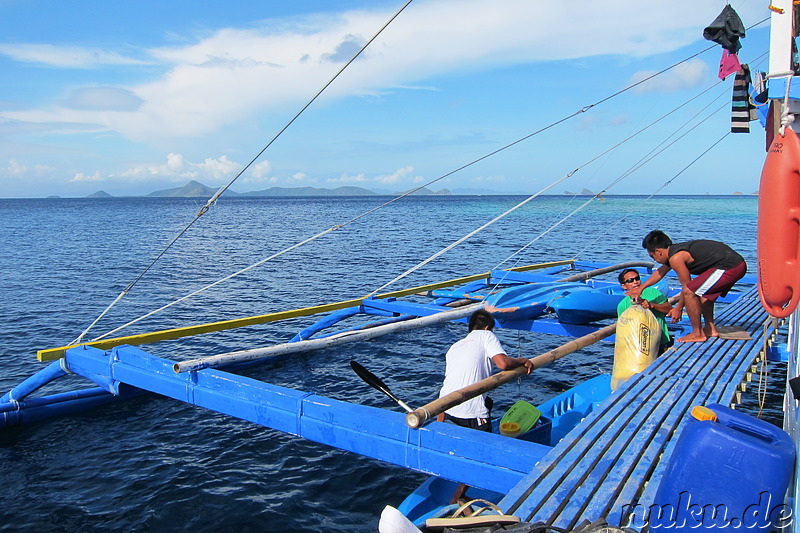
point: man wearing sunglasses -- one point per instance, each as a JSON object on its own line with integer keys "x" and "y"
{"x": 649, "y": 298}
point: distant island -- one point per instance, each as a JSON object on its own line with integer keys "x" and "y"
{"x": 195, "y": 189}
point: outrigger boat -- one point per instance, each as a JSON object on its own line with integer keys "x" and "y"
{"x": 596, "y": 458}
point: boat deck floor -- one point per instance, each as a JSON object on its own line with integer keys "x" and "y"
{"x": 602, "y": 470}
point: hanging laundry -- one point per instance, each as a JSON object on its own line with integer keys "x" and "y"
{"x": 728, "y": 64}
{"x": 742, "y": 110}
{"x": 726, "y": 30}
{"x": 760, "y": 87}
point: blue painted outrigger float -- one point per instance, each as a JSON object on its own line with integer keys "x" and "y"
{"x": 492, "y": 464}
{"x": 598, "y": 458}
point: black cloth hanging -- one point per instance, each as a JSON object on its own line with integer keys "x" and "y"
{"x": 726, "y": 30}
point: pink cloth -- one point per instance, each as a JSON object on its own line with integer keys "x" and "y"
{"x": 728, "y": 64}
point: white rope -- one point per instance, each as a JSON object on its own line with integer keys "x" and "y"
{"x": 203, "y": 210}
{"x": 467, "y": 236}
{"x": 226, "y": 278}
{"x": 445, "y": 250}
{"x": 786, "y": 117}
{"x": 556, "y": 182}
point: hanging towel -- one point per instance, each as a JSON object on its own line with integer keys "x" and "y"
{"x": 742, "y": 110}
{"x": 760, "y": 87}
{"x": 726, "y": 30}
{"x": 728, "y": 64}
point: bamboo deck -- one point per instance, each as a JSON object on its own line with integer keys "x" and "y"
{"x": 608, "y": 462}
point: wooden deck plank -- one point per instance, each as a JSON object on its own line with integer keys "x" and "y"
{"x": 651, "y": 432}
{"x": 626, "y": 441}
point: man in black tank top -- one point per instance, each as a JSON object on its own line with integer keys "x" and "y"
{"x": 716, "y": 267}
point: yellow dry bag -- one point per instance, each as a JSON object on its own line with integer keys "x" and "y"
{"x": 638, "y": 338}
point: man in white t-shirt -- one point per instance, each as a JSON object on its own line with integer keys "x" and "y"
{"x": 469, "y": 361}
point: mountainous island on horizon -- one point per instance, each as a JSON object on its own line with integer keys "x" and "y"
{"x": 195, "y": 189}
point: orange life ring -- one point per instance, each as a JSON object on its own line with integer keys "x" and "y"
{"x": 779, "y": 226}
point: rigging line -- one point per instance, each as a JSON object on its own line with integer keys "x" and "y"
{"x": 759, "y": 59}
{"x": 203, "y": 210}
{"x": 644, "y": 160}
{"x": 632, "y": 169}
{"x": 551, "y": 125}
{"x": 226, "y": 278}
{"x": 219, "y": 193}
{"x": 568, "y": 175}
{"x": 364, "y": 47}
{"x": 615, "y": 182}
{"x": 662, "y": 187}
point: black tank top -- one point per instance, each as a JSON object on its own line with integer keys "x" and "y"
{"x": 707, "y": 254}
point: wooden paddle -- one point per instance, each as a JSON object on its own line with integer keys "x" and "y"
{"x": 373, "y": 381}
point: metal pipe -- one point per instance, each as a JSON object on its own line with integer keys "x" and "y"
{"x": 596, "y": 272}
{"x": 33, "y": 383}
{"x": 316, "y": 344}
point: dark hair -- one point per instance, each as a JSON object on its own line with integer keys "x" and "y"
{"x": 621, "y": 276}
{"x": 656, "y": 239}
{"x": 480, "y": 319}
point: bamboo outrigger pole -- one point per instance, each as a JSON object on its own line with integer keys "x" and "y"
{"x": 418, "y": 416}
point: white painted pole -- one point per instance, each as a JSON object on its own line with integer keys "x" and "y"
{"x": 316, "y": 344}
{"x": 780, "y": 38}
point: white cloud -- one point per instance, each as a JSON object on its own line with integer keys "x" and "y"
{"x": 260, "y": 170}
{"x": 65, "y": 56}
{"x": 236, "y": 74}
{"x": 177, "y": 169}
{"x": 80, "y": 177}
{"x": 684, "y": 76}
{"x": 301, "y": 177}
{"x": 103, "y": 99}
{"x": 16, "y": 169}
{"x": 397, "y": 176}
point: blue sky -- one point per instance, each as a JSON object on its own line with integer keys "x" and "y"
{"x": 130, "y": 97}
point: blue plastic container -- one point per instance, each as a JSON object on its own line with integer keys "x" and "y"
{"x": 725, "y": 475}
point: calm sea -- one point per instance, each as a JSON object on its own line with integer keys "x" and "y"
{"x": 156, "y": 464}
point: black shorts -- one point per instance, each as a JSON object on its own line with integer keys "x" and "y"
{"x": 481, "y": 424}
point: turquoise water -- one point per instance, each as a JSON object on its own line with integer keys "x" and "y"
{"x": 155, "y": 464}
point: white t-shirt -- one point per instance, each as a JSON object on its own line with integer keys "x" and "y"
{"x": 467, "y": 362}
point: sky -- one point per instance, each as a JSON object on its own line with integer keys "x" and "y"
{"x": 132, "y": 97}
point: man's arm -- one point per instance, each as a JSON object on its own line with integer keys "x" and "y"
{"x": 504, "y": 362}
{"x": 678, "y": 263}
{"x": 654, "y": 278}
{"x": 663, "y": 307}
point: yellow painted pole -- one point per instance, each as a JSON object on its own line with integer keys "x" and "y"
{"x": 50, "y": 354}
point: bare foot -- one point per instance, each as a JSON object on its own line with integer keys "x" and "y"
{"x": 710, "y": 331}
{"x": 693, "y": 337}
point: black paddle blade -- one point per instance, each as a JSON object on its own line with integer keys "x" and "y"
{"x": 374, "y": 381}
{"x": 371, "y": 379}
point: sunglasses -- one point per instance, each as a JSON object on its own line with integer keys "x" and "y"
{"x": 631, "y": 280}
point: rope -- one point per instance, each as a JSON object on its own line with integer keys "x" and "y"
{"x": 393, "y": 200}
{"x": 644, "y": 160}
{"x": 226, "y": 278}
{"x": 551, "y": 185}
{"x": 786, "y": 117}
{"x": 203, "y": 210}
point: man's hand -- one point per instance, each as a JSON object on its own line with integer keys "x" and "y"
{"x": 527, "y": 363}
